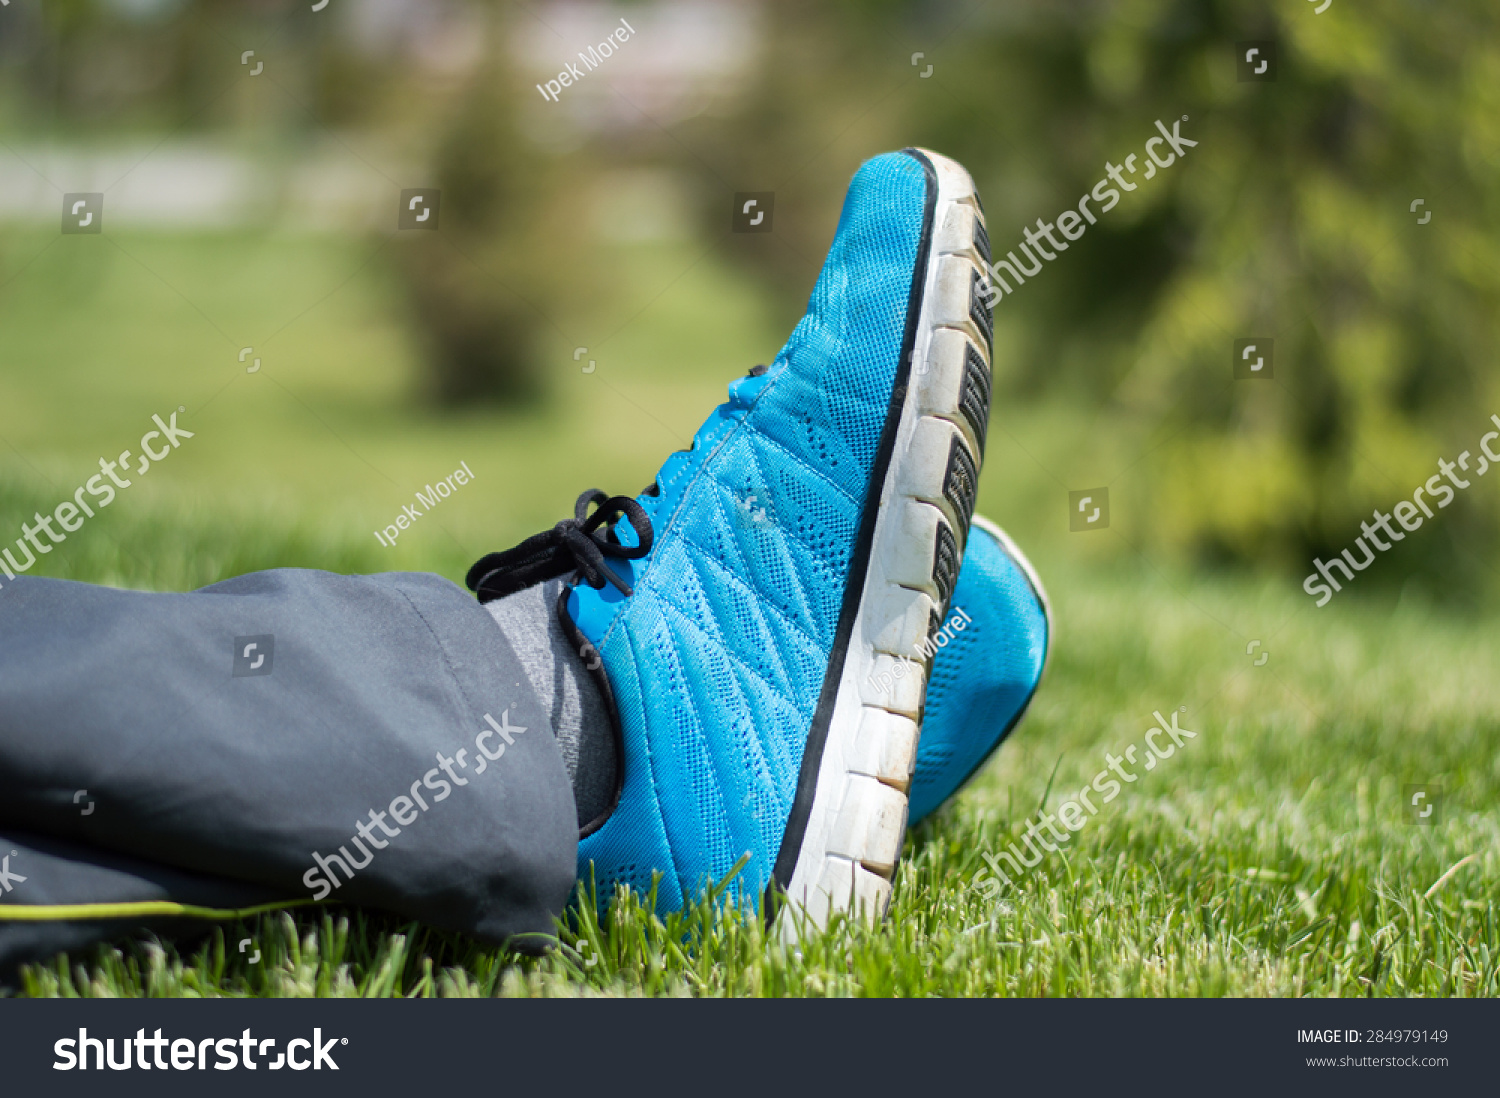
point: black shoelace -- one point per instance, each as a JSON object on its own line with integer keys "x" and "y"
{"x": 578, "y": 545}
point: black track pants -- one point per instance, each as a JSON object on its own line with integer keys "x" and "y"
{"x": 283, "y": 736}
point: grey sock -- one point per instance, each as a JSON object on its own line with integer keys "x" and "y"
{"x": 566, "y": 687}
{"x": 580, "y": 720}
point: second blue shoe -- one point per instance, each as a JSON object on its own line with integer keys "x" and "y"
{"x": 987, "y": 664}
{"x": 744, "y": 612}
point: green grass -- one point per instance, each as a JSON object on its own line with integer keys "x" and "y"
{"x": 1269, "y": 856}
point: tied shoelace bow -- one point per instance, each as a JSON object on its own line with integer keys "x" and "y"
{"x": 578, "y": 544}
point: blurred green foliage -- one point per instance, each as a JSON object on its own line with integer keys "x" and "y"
{"x": 1290, "y": 219}
{"x": 485, "y": 290}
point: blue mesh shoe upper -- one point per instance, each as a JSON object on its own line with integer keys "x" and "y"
{"x": 716, "y": 658}
{"x": 984, "y": 677}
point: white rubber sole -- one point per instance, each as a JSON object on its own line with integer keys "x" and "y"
{"x": 857, "y": 822}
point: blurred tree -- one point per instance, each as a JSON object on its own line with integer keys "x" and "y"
{"x": 1291, "y": 219}
{"x": 512, "y": 246}
{"x": 826, "y": 95}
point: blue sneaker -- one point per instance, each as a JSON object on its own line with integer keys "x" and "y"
{"x": 988, "y": 662}
{"x": 744, "y": 612}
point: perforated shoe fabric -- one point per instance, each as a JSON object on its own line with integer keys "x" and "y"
{"x": 743, "y": 618}
{"x": 984, "y": 675}
{"x": 717, "y": 658}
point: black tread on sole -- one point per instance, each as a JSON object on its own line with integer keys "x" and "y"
{"x": 979, "y": 308}
{"x": 981, "y": 240}
{"x": 961, "y": 482}
{"x": 974, "y": 401}
{"x": 945, "y": 564}
{"x": 934, "y": 624}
